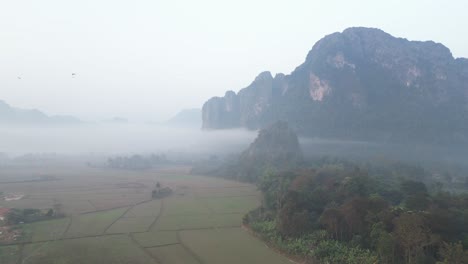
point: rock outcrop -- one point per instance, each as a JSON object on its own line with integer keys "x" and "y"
{"x": 359, "y": 84}
{"x": 276, "y": 147}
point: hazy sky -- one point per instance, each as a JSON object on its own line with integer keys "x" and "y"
{"x": 147, "y": 59}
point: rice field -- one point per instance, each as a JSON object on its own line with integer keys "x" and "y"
{"x": 111, "y": 218}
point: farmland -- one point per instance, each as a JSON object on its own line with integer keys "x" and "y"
{"x": 111, "y": 218}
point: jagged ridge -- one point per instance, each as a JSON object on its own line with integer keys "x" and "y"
{"x": 359, "y": 84}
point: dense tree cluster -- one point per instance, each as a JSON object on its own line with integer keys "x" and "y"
{"x": 136, "y": 162}
{"x": 160, "y": 191}
{"x": 18, "y": 216}
{"x": 388, "y": 211}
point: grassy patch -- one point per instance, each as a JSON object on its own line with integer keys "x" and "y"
{"x": 229, "y": 246}
{"x": 131, "y": 224}
{"x": 197, "y": 221}
{"x": 9, "y": 254}
{"x": 240, "y": 204}
{"x": 227, "y": 220}
{"x": 157, "y": 238}
{"x": 150, "y": 208}
{"x": 184, "y": 206}
{"x": 93, "y": 223}
{"x": 177, "y": 222}
{"x": 174, "y": 254}
{"x": 118, "y": 249}
{"x": 44, "y": 230}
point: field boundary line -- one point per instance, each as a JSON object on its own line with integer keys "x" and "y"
{"x": 21, "y": 251}
{"x": 62, "y": 239}
{"x": 117, "y": 207}
{"x": 161, "y": 209}
{"x": 156, "y": 259}
{"x": 194, "y": 255}
{"x": 92, "y": 204}
{"x": 68, "y": 227}
{"x": 87, "y": 236}
{"x": 224, "y": 196}
{"x": 164, "y": 245}
{"x": 45, "y": 244}
{"x": 124, "y": 213}
{"x": 117, "y": 219}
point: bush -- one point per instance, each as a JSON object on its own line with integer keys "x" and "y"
{"x": 332, "y": 251}
{"x": 316, "y": 245}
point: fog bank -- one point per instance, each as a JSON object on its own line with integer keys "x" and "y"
{"x": 119, "y": 138}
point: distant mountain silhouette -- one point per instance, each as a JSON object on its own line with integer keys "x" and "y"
{"x": 116, "y": 120}
{"x": 12, "y": 115}
{"x": 361, "y": 84}
{"x": 187, "y": 118}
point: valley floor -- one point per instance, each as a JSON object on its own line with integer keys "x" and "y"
{"x": 111, "y": 218}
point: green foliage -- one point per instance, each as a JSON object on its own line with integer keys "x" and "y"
{"x": 332, "y": 251}
{"x": 159, "y": 193}
{"x": 274, "y": 186}
{"x": 17, "y": 216}
{"x": 314, "y": 245}
{"x": 383, "y": 243}
{"x": 275, "y": 148}
{"x": 452, "y": 253}
{"x": 377, "y": 214}
{"x": 413, "y": 187}
{"x": 417, "y": 202}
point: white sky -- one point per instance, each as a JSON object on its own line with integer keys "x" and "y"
{"x": 147, "y": 59}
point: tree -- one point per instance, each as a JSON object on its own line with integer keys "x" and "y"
{"x": 417, "y": 202}
{"x": 452, "y": 253}
{"x": 413, "y": 187}
{"x": 412, "y": 234}
{"x": 359, "y": 183}
{"x": 292, "y": 222}
{"x": 58, "y": 209}
{"x": 354, "y": 213}
{"x": 383, "y": 243}
{"x": 333, "y": 221}
{"x": 274, "y": 187}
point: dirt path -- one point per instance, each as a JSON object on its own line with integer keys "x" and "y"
{"x": 161, "y": 209}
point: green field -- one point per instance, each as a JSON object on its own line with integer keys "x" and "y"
{"x": 110, "y": 220}
{"x": 131, "y": 224}
{"x": 93, "y": 223}
{"x": 231, "y": 204}
{"x": 104, "y": 249}
{"x": 9, "y": 254}
{"x": 228, "y": 246}
{"x": 198, "y": 221}
{"x": 173, "y": 254}
{"x": 45, "y": 230}
{"x": 150, "y": 208}
{"x": 156, "y": 238}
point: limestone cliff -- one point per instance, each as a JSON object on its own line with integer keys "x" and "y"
{"x": 361, "y": 84}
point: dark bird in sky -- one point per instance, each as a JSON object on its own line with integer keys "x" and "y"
{"x": 19, "y": 77}
{"x": 73, "y": 75}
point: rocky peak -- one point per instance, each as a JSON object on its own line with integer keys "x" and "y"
{"x": 365, "y": 84}
{"x": 277, "y": 143}
{"x": 264, "y": 76}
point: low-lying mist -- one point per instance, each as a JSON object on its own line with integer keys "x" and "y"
{"x": 119, "y": 138}
{"x": 130, "y": 138}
